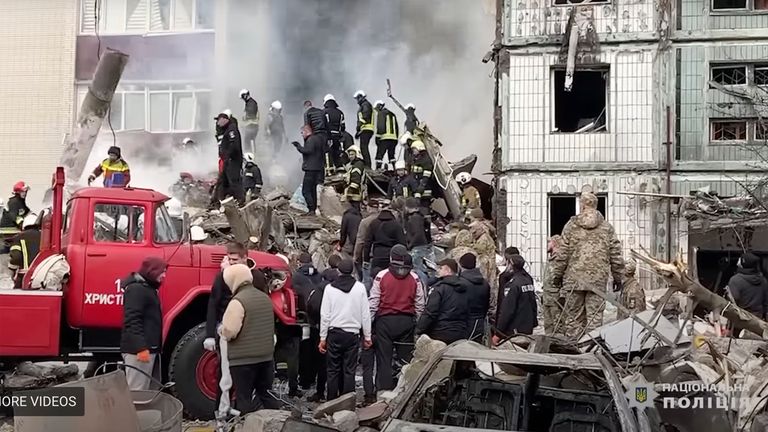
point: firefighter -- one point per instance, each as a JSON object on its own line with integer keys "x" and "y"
{"x": 16, "y": 208}
{"x": 411, "y": 121}
{"x": 422, "y": 172}
{"x": 334, "y": 117}
{"x": 402, "y": 184}
{"x": 252, "y": 181}
{"x": 116, "y": 172}
{"x": 276, "y": 126}
{"x": 24, "y": 248}
{"x": 355, "y": 173}
{"x": 231, "y": 159}
{"x": 470, "y": 198}
{"x": 364, "y": 125}
{"x": 250, "y": 119}
{"x": 387, "y": 131}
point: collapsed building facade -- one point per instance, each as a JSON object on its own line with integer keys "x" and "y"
{"x": 630, "y": 100}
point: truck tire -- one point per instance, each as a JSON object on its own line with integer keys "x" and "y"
{"x": 194, "y": 372}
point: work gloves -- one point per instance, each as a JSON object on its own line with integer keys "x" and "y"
{"x": 143, "y": 356}
{"x": 209, "y": 344}
{"x": 91, "y": 178}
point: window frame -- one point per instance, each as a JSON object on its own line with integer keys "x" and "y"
{"x": 603, "y": 68}
{"x": 99, "y": 24}
{"x": 749, "y": 8}
{"x": 92, "y": 235}
{"x": 712, "y": 123}
{"x": 583, "y": 3}
{"x": 750, "y": 69}
{"x": 756, "y": 126}
{"x": 715, "y": 66}
{"x": 161, "y": 208}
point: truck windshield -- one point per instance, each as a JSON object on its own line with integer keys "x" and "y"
{"x": 165, "y": 227}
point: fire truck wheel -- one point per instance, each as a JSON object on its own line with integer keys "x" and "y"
{"x": 193, "y": 370}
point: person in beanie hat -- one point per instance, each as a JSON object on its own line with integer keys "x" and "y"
{"x": 344, "y": 313}
{"x": 116, "y": 172}
{"x": 141, "y": 337}
{"x": 248, "y": 327}
{"x": 397, "y": 299}
{"x": 749, "y": 287}
{"x": 479, "y": 294}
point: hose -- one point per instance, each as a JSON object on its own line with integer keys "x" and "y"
{"x": 163, "y": 387}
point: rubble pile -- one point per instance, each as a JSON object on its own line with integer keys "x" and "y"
{"x": 706, "y": 210}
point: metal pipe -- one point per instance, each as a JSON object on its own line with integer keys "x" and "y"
{"x": 669, "y": 183}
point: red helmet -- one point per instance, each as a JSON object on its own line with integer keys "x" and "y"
{"x": 20, "y": 187}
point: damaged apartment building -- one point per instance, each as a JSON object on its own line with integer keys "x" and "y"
{"x": 627, "y": 98}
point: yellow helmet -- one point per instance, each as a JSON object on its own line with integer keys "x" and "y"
{"x": 418, "y": 145}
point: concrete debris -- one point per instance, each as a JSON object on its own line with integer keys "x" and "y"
{"x": 48, "y": 371}
{"x": 265, "y": 421}
{"x": 345, "y": 402}
{"x": 345, "y": 421}
{"x": 331, "y": 205}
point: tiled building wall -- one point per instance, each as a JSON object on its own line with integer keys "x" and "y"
{"x": 36, "y": 89}
{"x": 528, "y": 136}
{"x": 698, "y": 15}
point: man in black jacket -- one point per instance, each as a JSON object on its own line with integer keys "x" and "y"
{"x": 364, "y": 125}
{"x": 518, "y": 311}
{"x": 289, "y": 345}
{"x": 504, "y": 278}
{"x": 334, "y": 118}
{"x": 250, "y": 119}
{"x": 312, "y": 153}
{"x": 384, "y": 233}
{"x": 24, "y": 248}
{"x": 445, "y": 317}
{"x": 350, "y": 223}
{"x": 479, "y": 293}
{"x": 16, "y": 208}
{"x": 141, "y": 338}
{"x": 231, "y": 153}
{"x": 315, "y": 119}
{"x": 749, "y": 287}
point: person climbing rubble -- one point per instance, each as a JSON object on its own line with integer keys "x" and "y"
{"x": 16, "y": 208}
{"x": 470, "y": 198}
{"x": 353, "y": 191}
{"x": 24, "y": 248}
{"x": 275, "y": 129}
{"x": 633, "y": 296}
{"x": 387, "y": 133}
{"x": 312, "y": 154}
{"x": 334, "y": 118}
{"x": 364, "y": 131}
{"x": 590, "y": 253}
{"x": 115, "y": 169}
{"x": 422, "y": 170}
{"x": 250, "y": 120}
{"x": 252, "y": 181}
{"x": 231, "y": 157}
{"x": 402, "y": 184}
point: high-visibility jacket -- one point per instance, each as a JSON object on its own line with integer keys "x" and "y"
{"x": 422, "y": 169}
{"x": 386, "y": 125}
{"x": 117, "y": 174}
{"x": 365, "y": 116}
{"x": 354, "y": 190}
{"x": 24, "y": 249}
{"x": 470, "y": 198}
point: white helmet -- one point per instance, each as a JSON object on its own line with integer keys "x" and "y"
{"x": 249, "y": 157}
{"x": 277, "y": 105}
{"x": 355, "y": 149}
{"x": 379, "y": 102}
{"x": 29, "y": 220}
{"x": 196, "y": 233}
{"x": 244, "y": 92}
{"x": 187, "y": 140}
{"x": 359, "y": 93}
{"x": 174, "y": 208}
{"x": 400, "y": 165}
{"x": 463, "y": 178}
{"x": 410, "y": 106}
{"x": 328, "y": 97}
{"x": 404, "y": 138}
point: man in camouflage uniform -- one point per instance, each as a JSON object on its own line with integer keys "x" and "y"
{"x": 552, "y": 307}
{"x": 590, "y": 253}
{"x": 632, "y": 294}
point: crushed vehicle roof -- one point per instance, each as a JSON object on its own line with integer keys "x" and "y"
{"x": 472, "y": 351}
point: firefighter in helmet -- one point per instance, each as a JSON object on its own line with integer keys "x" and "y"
{"x": 470, "y": 198}
{"x": 16, "y": 209}
{"x": 355, "y": 173}
{"x": 24, "y": 248}
{"x": 422, "y": 170}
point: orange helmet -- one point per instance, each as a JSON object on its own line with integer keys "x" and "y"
{"x": 20, "y": 187}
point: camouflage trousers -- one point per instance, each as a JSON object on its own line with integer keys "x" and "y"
{"x": 583, "y": 312}
{"x": 552, "y": 314}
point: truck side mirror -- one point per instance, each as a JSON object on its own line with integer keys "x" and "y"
{"x": 185, "y": 236}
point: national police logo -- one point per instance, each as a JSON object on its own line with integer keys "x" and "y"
{"x": 641, "y": 394}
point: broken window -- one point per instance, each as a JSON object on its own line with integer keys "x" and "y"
{"x": 563, "y": 207}
{"x": 729, "y": 130}
{"x": 571, "y": 2}
{"x": 729, "y": 75}
{"x": 584, "y": 108}
{"x": 729, "y": 4}
{"x": 761, "y": 75}
{"x": 761, "y": 130}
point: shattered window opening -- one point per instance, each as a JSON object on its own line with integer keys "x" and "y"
{"x": 728, "y": 4}
{"x": 563, "y": 207}
{"x": 730, "y": 75}
{"x": 761, "y": 74}
{"x": 572, "y": 2}
{"x": 761, "y": 130}
{"x": 584, "y": 108}
{"x": 728, "y": 130}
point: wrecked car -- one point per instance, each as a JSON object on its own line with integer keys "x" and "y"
{"x": 469, "y": 386}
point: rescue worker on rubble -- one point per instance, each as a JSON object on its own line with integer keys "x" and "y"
{"x": 633, "y": 296}
{"x": 16, "y": 208}
{"x": 24, "y": 249}
{"x": 590, "y": 253}
{"x": 116, "y": 172}
{"x": 355, "y": 175}
{"x": 518, "y": 311}
{"x": 384, "y": 233}
{"x": 231, "y": 155}
{"x": 422, "y": 169}
{"x": 387, "y": 132}
{"x": 250, "y": 119}
{"x": 275, "y": 126}
{"x": 552, "y": 303}
{"x": 401, "y": 184}
{"x": 364, "y": 131}
{"x": 334, "y": 118}
{"x": 411, "y": 121}
{"x": 470, "y": 198}
{"x": 312, "y": 154}
{"x": 252, "y": 181}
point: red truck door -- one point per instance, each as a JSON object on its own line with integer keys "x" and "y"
{"x": 117, "y": 244}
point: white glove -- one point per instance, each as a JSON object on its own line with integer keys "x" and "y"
{"x": 209, "y": 344}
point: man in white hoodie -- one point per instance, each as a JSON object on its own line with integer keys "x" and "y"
{"x": 344, "y": 312}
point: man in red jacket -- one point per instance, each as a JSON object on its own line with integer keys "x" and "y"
{"x": 397, "y": 299}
